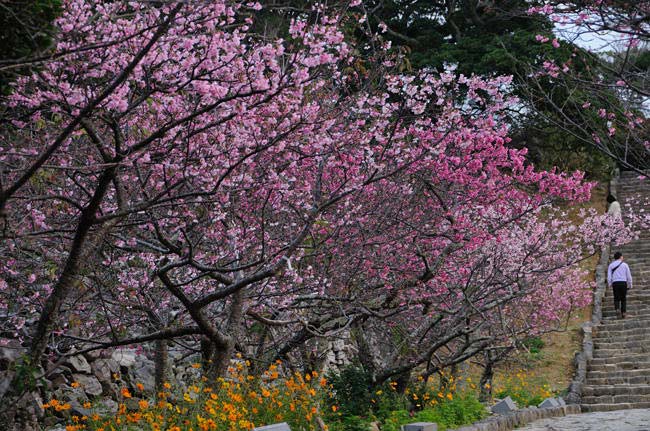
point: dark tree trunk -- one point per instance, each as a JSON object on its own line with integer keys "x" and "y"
{"x": 161, "y": 361}
{"x": 486, "y": 383}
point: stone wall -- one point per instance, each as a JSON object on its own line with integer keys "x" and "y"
{"x": 519, "y": 418}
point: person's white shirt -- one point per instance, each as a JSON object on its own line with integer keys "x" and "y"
{"x": 619, "y": 271}
{"x": 614, "y": 209}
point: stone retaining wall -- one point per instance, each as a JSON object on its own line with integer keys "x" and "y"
{"x": 519, "y": 418}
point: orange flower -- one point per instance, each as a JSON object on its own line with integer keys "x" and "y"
{"x": 140, "y": 386}
{"x": 126, "y": 393}
{"x": 75, "y": 384}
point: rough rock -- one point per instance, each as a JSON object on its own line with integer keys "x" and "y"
{"x": 9, "y": 353}
{"x": 549, "y": 402}
{"x": 505, "y": 406}
{"x": 143, "y": 372}
{"x": 89, "y": 384}
{"x": 5, "y": 381}
{"x": 275, "y": 427}
{"x": 104, "y": 369}
{"x": 124, "y": 357}
{"x": 79, "y": 364}
{"x": 421, "y": 426}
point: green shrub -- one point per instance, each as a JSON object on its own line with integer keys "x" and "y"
{"x": 352, "y": 389}
{"x": 461, "y": 410}
{"x": 350, "y": 423}
{"x": 525, "y": 390}
{"x": 534, "y": 344}
{"x": 355, "y": 394}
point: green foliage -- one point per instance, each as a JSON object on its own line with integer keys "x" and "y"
{"x": 25, "y": 30}
{"x": 352, "y": 389}
{"x": 523, "y": 391}
{"x": 349, "y": 423}
{"x": 533, "y": 346}
{"x": 355, "y": 394}
{"x": 26, "y": 373}
{"x": 461, "y": 410}
{"x": 358, "y": 402}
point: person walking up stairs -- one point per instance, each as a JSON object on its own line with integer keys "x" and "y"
{"x": 618, "y": 376}
{"x": 619, "y": 281}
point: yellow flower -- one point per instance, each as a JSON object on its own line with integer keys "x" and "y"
{"x": 450, "y": 396}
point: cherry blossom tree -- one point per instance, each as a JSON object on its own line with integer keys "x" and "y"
{"x": 608, "y": 87}
{"x": 173, "y": 174}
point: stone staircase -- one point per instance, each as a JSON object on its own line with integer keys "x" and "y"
{"x": 618, "y": 376}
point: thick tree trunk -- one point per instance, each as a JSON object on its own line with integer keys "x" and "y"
{"x": 217, "y": 357}
{"x": 486, "y": 383}
{"x": 161, "y": 364}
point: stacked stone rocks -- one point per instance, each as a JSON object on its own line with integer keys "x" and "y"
{"x": 618, "y": 376}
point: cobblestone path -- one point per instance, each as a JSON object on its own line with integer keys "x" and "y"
{"x": 617, "y": 420}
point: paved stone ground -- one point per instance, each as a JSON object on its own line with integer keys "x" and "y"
{"x": 618, "y": 420}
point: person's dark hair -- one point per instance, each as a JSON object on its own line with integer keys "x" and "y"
{"x": 611, "y": 198}
{"x": 618, "y": 255}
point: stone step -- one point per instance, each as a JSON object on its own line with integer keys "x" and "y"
{"x": 614, "y": 367}
{"x": 637, "y": 293}
{"x": 602, "y": 333}
{"x": 616, "y": 399}
{"x": 634, "y": 296}
{"x": 618, "y": 324}
{"x": 588, "y": 408}
{"x": 639, "y": 310}
{"x": 621, "y": 344}
{"x": 620, "y": 373}
{"x": 630, "y": 361}
{"x": 622, "y": 352}
{"x": 616, "y": 379}
{"x": 633, "y": 309}
{"x": 615, "y": 390}
{"x": 610, "y": 342}
{"x": 631, "y": 313}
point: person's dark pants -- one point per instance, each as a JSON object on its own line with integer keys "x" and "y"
{"x": 620, "y": 294}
